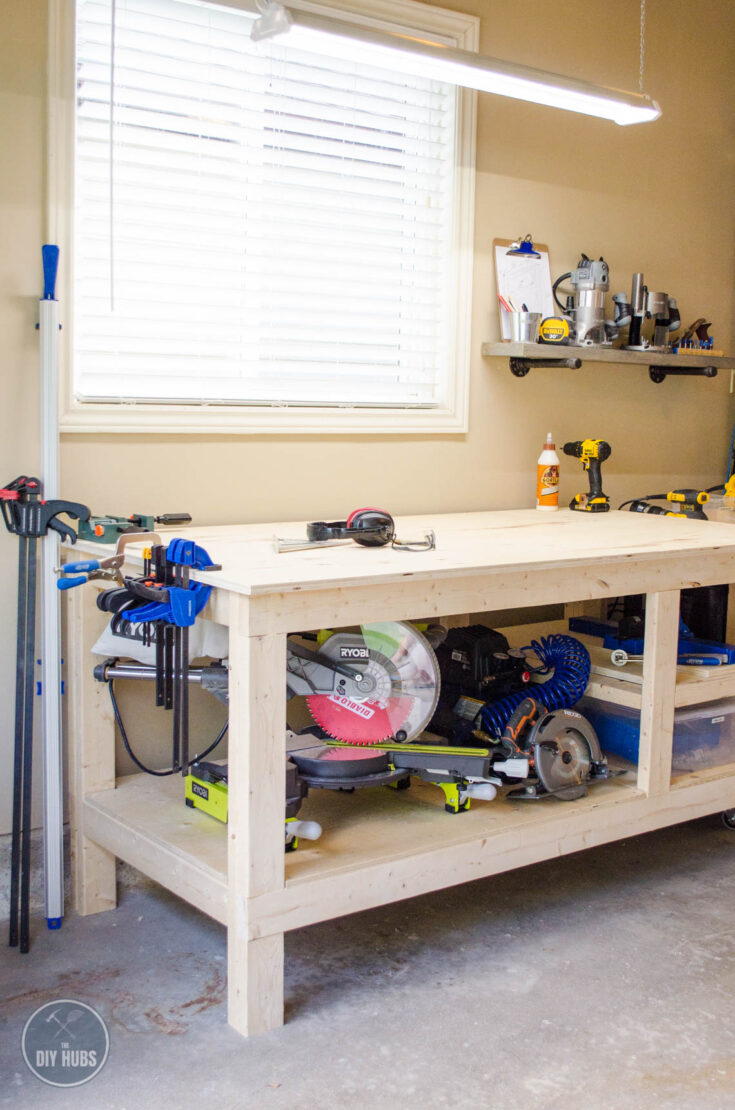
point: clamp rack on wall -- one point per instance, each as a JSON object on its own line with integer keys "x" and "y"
{"x": 522, "y": 356}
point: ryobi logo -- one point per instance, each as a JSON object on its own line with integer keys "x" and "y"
{"x": 354, "y": 653}
{"x": 199, "y": 790}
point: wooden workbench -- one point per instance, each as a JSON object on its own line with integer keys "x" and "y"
{"x": 378, "y": 845}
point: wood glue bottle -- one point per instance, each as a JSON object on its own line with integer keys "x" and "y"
{"x": 547, "y": 478}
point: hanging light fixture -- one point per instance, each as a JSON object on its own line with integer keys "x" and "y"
{"x": 422, "y": 57}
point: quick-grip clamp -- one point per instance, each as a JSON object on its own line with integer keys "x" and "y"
{"x": 25, "y": 514}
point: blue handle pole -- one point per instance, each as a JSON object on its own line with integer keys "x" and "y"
{"x": 50, "y": 255}
{"x": 86, "y": 564}
{"x": 70, "y": 583}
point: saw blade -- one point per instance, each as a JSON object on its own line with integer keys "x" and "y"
{"x": 563, "y": 766}
{"x": 564, "y": 745}
{"x": 358, "y": 722}
{"x": 400, "y": 682}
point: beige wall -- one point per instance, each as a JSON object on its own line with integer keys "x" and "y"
{"x": 656, "y": 198}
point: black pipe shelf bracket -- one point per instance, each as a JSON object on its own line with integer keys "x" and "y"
{"x": 659, "y": 374}
{"x": 521, "y": 366}
{"x": 661, "y": 364}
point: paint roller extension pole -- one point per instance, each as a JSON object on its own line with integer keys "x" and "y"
{"x": 53, "y": 807}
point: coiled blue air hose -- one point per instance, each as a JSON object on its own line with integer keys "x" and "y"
{"x": 566, "y": 660}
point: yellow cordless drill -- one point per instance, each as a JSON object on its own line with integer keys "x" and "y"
{"x": 592, "y": 452}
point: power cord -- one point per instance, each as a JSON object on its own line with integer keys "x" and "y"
{"x": 131, "y": 753}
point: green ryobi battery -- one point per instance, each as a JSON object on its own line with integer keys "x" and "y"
{"x": 205, "y": 788}
{"x": 208, "y": 794}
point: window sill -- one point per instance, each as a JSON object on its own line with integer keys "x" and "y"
{"x": 90, "y": 418}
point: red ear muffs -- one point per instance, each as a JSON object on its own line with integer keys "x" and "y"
{"x": 371, "y": 527}
{"x": 368, "y": 527}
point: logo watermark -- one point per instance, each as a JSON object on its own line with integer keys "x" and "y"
{"x": 65, "y": 1043}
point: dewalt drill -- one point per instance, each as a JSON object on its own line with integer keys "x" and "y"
{"x": 592, "y": 452}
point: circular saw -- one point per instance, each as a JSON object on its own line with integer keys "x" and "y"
{"x": 369, "y": 685}
{"x": 566, "y": 755}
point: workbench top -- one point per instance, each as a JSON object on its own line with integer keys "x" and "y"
{"x": 466, "y": 544}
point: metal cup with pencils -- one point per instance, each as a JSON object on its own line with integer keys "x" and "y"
{"x": 524, "y": 325}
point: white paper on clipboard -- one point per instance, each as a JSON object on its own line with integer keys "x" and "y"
{"x": 526, "y": 280}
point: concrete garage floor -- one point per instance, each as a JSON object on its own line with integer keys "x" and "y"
{"x": 602, "y": 981}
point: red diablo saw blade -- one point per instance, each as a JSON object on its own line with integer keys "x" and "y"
{"x": 363, "y": 722}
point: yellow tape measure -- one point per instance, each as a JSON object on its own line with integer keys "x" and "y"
{"x": 554, "y": 329}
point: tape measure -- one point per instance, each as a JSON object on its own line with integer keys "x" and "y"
{"x": 554, "y": 329}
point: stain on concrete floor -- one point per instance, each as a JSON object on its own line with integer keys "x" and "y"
{"x": 603, "y": 981}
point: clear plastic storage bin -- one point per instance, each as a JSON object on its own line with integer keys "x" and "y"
{"x": 704, "y": 735}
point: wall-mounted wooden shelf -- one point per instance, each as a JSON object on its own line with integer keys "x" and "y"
{"x": 660, "y": 364}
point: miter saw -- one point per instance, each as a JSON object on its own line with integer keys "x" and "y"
{"x": 375, "y": 690}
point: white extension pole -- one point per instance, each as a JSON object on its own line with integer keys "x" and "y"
{"x": 53, "y": 783}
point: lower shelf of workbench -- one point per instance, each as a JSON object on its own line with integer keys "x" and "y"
{"x": 379, "y": 845}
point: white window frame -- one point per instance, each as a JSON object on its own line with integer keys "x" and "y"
{"x": 78, "y": 416}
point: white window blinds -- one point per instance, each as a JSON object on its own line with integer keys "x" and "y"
{"x": 255, "y": 224}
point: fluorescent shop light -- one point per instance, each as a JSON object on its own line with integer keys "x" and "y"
{"x": 422, "y": 57}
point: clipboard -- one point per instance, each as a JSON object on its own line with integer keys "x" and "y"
{"x": 526, "y": 280}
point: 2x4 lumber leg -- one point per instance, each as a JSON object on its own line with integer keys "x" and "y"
{"x": 91, "y": 741}
{"x": 659, "y": 684}
{"x": 256, "y": 814}
{"x": 255, "y": 983}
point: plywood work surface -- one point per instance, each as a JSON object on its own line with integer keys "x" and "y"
{"x": 466, "y": 544}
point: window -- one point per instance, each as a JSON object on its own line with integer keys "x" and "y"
{"x": 263, "y": 237}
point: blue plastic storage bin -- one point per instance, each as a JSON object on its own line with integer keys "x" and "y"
{"x": 704, "y": 735}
